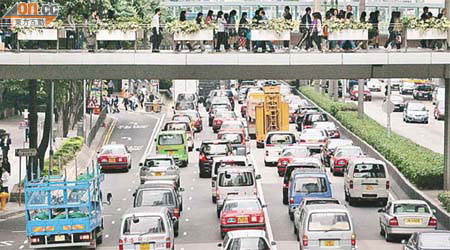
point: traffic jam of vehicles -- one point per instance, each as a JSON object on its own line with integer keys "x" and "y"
{"x": 301, "y": 146}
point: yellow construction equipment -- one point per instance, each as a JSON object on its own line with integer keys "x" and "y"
{"x": 271, "y": 115}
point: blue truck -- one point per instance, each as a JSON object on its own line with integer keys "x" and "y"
{"x": 61, "y": 213}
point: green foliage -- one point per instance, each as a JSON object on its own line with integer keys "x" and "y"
{"x": 418, "y": 164}
{"x": 444, "y": 198}
{"x": 325, "y": 102}
{"x": 66, "y": 153}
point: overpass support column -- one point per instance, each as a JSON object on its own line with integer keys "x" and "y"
{"x": 447, "y": 135}
{"x": 361, "y": 98}
{"x": 336, "y": 90}
{"x": 330, "y": 88}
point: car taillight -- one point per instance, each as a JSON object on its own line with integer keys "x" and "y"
{"x": 301, "y": 140}
{"x": 85, "y": 237}
{"x": 285, "y": 185}
{"x": 267, "y": 153}
{"x": 305, "y": 240}
{"x": 168, "y": 243}
{"x": 393, "y": 222}
{"x": 388, "y": 184}
{"x": 341, "y": 162}
{"x": 351, "y": 184}
{"x": 35, "y": 240}
{"x": 308, "y": 126}
{"x": 323, "y": 140}
{"x": 432, "y": 222}
{"x": 291, "y": 201}
{"x": 120, "y": 244}
{"x": 353, "y": 240}
{"x": 269, "y": 145}
{"x": 202, "y": 157}
{"x": 176, "y": 212}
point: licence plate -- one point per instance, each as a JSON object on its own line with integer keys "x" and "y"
{"x": 242, "y": 220}
{"x": 328, "y": 243}
{"x": 144, "y": 247}
{"x": 60, "y": 238}
{"x": 310, "y": 141}
{"x": 171, "y": 152}
{"x": 413, "y": 221}
{"x": 112, "y": 159}
{"x": 369, "y": 188}
{"x": 157, "y": 173}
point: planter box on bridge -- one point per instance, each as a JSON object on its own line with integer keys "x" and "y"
{"x": 202, "y": 35}
{"x": 428, "y": 34}
{"x": 116, "y": 35}
{"x": 349, "y": 34}
{"x": 269, "y": 35}
{"x": 38, "y": 35}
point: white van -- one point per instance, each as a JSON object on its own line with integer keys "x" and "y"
{"x": 234, "y": 181}
{"x": 366, "y": 179}
{"x": 223, "y": 161}
{"x": 274, "y": 143}
{"x": 326, "y": 226}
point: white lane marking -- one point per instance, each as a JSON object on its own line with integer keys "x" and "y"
{"x": 133, "y": 182}
{"x": 152, "y": 137}
{"x": 129, "y": 190}
{"x": 21, "y": 247}
{"x": 190, "y": 198}
{"x": 107, "y": 236}
{"x": 118, "y": 210}
{"x": 263, "y": 201}
{"x": 124, "y": 199}
{"x": 187, "y": 220}
{"x": 192, "y": 188}
{"x": 189, "y": 208}
{"x": 20, "y": 231}
{"x": 184, "y": 233}
{"x": 113, "y": 222}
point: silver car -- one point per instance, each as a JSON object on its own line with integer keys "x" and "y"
{"x": 147, "y": 228}
{"x": 404, "y": 217}
{"x": 314, "y": 138}
{"x": 159, "y": 168}
{"x": 246, "y": 239}
{"x": 415, "y": 112}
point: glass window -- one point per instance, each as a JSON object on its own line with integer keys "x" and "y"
{"x": 114, "y": 150}
{"x": 313, "y": 132}
{"x": 248, "y": 243}
{"x": 232, "y": 125}
{"x": 155, "y": 198}
{"x": 182, "y": 118}
{"x": 280, "y": 139}
{"x": 328, "y": 222}
{"x": 232, "y": 138}
{"x": 310, "y": 185}
{"x": 416, "y": 107}
{"x": 411, "y": 208}
{"x": 177, "y": 126}
{"x": 186, "y": 97}
{"x": 226, "y": 115}
{"x": 228, "y": 163}
{"x": 158, "y": 163}
{"x": 369, "y": 171}
{"x": 242, "y": 205}
{"x": 143, "y": 225}
{"x": 184, "y": 106}
{"x": 316, "y": 202}
{"x": 296, "y": 152}
{"x": 236, "y": 179}
{"x": 215, "y": 149}
{"x": 424, "y": 88}
{"x": 349, "y": 152}
{"x": 171, "y": 139}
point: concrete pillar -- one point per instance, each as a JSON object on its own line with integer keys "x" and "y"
{"x": 316, "y": 85}
{"x": 335, "y": 90}
{"x": 361, "y": 98}
{"x": 447, "y": 135}
{"x": 322, "y": 89}
{"x": 330, "y": 88}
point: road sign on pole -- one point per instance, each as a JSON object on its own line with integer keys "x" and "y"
{"x": 26, "y": 152}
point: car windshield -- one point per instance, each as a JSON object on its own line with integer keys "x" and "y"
{"x": 321, "y": 202}
{"x": 158, "y": 163}
{"x": 217, "y": 107}
{"x": 349, "y": 152}
{"x": 367, "y": 170}
{"x": 184, "y": 106}
{"x": 313, "y": 133}
{"x": 155, "y": 197}
{"x": 424, "y": 88}
{"x": 171, "y": 139}
{"x": 177, "y": 126}
{"x": 232, "y": 138}
{"x": 409, "y": 84}
{"x": 410, "y": 208}
{"x": 242, "y": 205}
{"x": 280, "y": 139}
{"x": 226, "y": 114}
{"x": 232, "y": 125}
{"x": 182, "y": 118}
{"x": 434, "y": 240}
{"x": 296, "y": 152}
{"x": 143, "y": 225}
{"x": 186, "y": 97}
{"x": 215, "y": 149}
{"x": 416, "y": 107}
{"x": 310, "y": 185}
{"x": 248, "y": 243}
{"x": 113, "y": 150}
{"x": 235, "y": 179}
{"x": 328, "y": 222}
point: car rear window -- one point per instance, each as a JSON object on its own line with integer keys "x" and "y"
{"x": 434, "y": 240}
{"x": 291, "y": 168}
{"x": 186, "y": 97}
{"x": 154, "y": 198}
{"x": 424, "y": 88}
{"x": 184, "y": 106}
{"x": 143, "y": 225}
{"x": 215, "y": 149}
{"x": 280, "y": 139}
{"x": 312, "y": 118}
{"x": 369, "y": 171}
{"x": 313, "y": 132}
{"x": 171, "y": 139}
{"x": 182, "y": 118}
{"x": 158, "y": 163}
{"x": 113, "y": 150}
{"x": 232, "y": 125}
{"x": 328, "y": 222}
{"x": 296, "y": 152}
{"x": 350, "y": 152}
{"x": 321, "y": 202}
{"x": 236, "y": 179}
{"x": 226, "y": 114}
{"x": 410, "y": 208}
{"x": 228, "y": 163}
{"x": 177, "y": 126}
{"x": 233, "y": 138}
{"x": 248, "y": 243}
{"x": 242, "y": 205}
{"x": 310, "y": 185}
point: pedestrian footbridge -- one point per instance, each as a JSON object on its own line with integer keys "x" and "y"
{"x": 168, "y": 65}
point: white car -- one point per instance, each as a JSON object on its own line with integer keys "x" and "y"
{"x": 404, "y": 217}
{"x": 330, "y": 127}
{"x": 274, "y": 143}
{"x": 246, "y": 239}
{"x": 366, "y": 179}
{"x": 407, "y": 88}
{"x": 415, "y": 112}
{"x": 374, "y": 85}
{"x": 314, "y": 138}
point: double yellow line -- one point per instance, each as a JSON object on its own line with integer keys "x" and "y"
{"x": 109, "y": 133}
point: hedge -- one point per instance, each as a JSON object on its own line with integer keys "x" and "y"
{"x": 66, "y": 152}
{"x": 419, "y": 165}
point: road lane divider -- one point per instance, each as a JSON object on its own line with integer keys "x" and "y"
{"x": 109, "y": 132}
{"x": 152, "y": 137}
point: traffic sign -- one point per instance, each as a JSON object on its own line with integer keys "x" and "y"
{"x": 386, "y": 105}
{"x": 26, "y": 152}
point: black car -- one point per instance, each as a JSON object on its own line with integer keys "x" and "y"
{"x": 423, "y": 91}
{"x": 207, "y": 151}
{"x": 428, "y": 240}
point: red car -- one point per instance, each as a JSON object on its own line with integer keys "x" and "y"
{"x": 354, "y": 94}
{"x": 288, "y": 154}
{"x": 220, "y": 118}
{"x": 241, "y": 213}
{"x": 341, "y": 157}
{"x": 114, "y": 156}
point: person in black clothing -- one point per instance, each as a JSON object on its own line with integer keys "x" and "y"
{"x": 425, "y": 15}
{"x": 179, "y": 43}
{"x": 288, "y": 16}
{"x": 156, "y": 31}
{"x": 243, "y": 31}
{"x": 305, "y": 29}
{"x": 126, "y": 102}
{"x": 6, "y": 165}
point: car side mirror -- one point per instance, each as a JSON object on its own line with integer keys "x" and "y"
{"x": 258, "y": 177}
{"x": 98, "y": 152}
{"x": 381, "y": 210}
{"x": 134, "y": 194}
{"x": 404, "y": 242}
{"x": 197, "y": 149}
{"x": 273, "y": 243}
{"x": 214, "y": 178}
{"x": 141, "y": 164}
{"x": 155, "y": 140}
{"x": 181, "y": 189}
{"x": 174, "y": 219}
{"x": 108, "y": 198}
{"x": 248, "y": 152}
{"x": 264, "y": 206}
{"x": 219, "y": 245}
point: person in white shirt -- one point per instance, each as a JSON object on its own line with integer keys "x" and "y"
{"x": 4, "y": 181}
{"x": 156, "y": 31}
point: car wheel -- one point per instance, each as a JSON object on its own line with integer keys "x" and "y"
{"x": 280, "y": 174}
{"x": 285, "y": 200}
{"x": 218, "y": 213}
{"x": 295, "y": 229}
{"x": 381, "y": 230}
{"x": 387, "y": 236}
{"x": 351, "y": 201}
{"x": 222, "y": 234}
{"x": 426, "y": 122}
{"x": 214, "y": 199}
{"x": 291, "y": 216}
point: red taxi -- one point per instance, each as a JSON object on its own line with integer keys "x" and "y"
{"x": 341, "y": 157}
{"x": 241, "y": 213}
{"x": 288, "y": 154}
{"x": 114, "y": 156}
{"x": 220, "y": 118}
